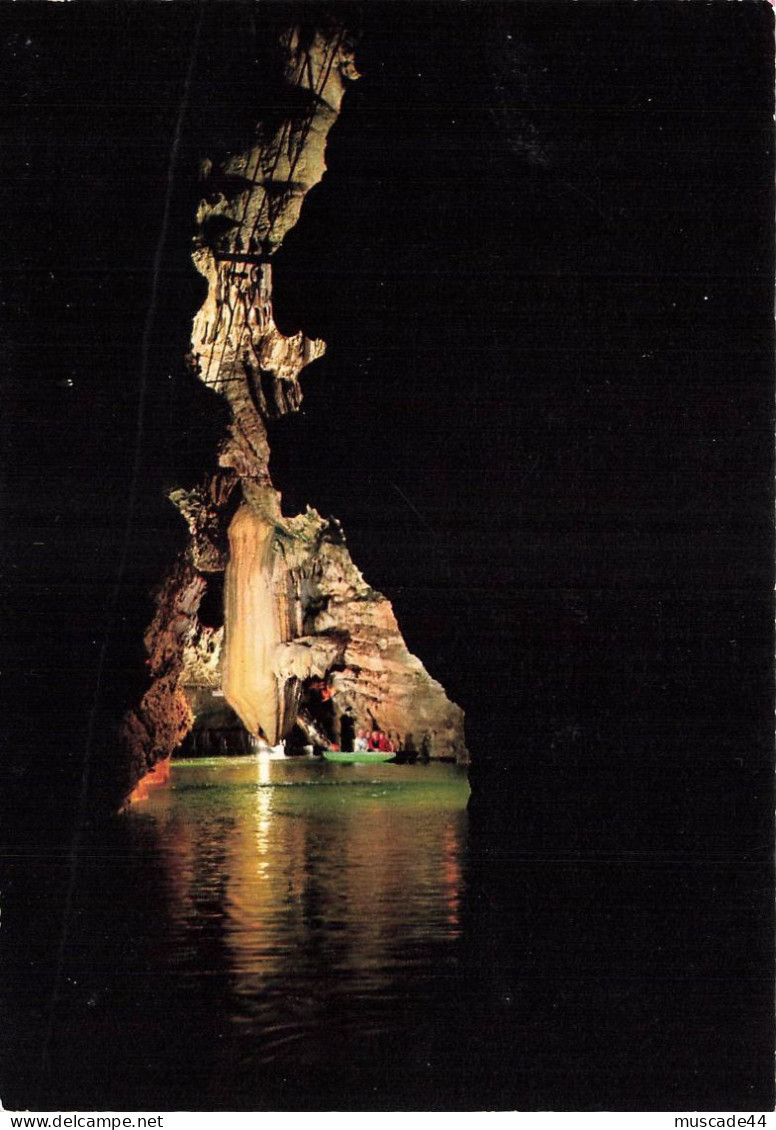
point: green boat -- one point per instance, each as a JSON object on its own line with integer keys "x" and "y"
{"x": 360, "y": 757}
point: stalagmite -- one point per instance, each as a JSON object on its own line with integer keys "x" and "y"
{"x": 297, "y": 612}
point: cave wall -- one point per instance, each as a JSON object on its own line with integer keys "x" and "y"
{"x": 296, "y": 608}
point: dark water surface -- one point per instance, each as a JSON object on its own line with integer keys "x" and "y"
{"x": 265, "y": 933}
{"x": 305, "y": 936}
{"x": 327, "y": 895}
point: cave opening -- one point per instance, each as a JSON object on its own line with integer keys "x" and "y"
{"x": 267, "y": 638}
{"x": 211, "y": 606}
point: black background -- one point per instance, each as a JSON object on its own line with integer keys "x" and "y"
{"x": 542, "y": 261}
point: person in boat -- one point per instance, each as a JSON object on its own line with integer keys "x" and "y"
{"x": 360, "y": 745}
{"x": 380, "y": 742}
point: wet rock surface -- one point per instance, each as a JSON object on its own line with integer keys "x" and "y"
{"x": 305, "y": 647}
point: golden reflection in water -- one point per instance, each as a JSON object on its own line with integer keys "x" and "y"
{"x": 263, "y": 814}
{"x": 325, "y": 888}
{"x": 452, "y": 876}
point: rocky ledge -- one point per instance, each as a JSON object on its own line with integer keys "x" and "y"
{"x": 295, "y": 644}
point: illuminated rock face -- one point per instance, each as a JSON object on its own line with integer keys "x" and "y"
{"x": 298, "y": 609}
{"x": 259, "y": 611}
{"x": 300, "y": 624}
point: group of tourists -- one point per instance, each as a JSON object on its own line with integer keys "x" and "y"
{"x": 374, "y": 742}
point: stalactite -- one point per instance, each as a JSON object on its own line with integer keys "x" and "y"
{"x": 296, "y": 608}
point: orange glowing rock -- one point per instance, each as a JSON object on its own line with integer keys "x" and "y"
{"x": 159, "y": 775}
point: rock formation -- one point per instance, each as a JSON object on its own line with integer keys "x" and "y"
{"x": 306, "y": 649}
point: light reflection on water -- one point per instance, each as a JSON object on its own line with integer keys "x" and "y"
{"x": 331, "y": 894}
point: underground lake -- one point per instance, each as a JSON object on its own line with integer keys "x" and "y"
{"x": 397, "y": 367}
{"x": 263, "y": 933}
